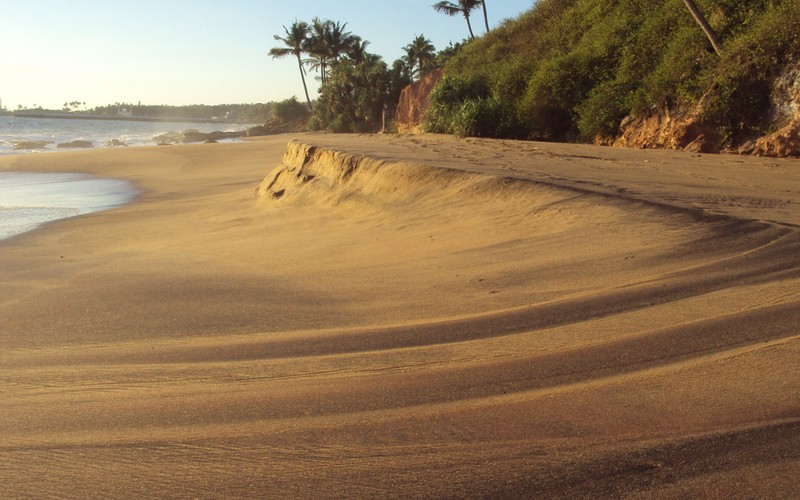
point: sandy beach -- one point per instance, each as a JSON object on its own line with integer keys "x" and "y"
{"x": 352, "y": 316}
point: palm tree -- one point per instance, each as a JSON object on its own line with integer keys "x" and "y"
{"x": 357, "y": 51}
{"x": 485, "y": 16}
{"x": 338, "y": 40}
{"x": 317, "y": 49}
{"x": 328, "y": 41}
{"x": 463, "y": 7}
{"x": 420, "y": 55}
{"x": 707, "y": 29}
{"x": 295, "y": 43}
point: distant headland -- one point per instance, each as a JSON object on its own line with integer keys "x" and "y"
{"x": 195, "y": 113}
{"x": 89, "y": 116}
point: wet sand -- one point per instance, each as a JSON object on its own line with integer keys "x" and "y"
{"x": 407, "y": 316}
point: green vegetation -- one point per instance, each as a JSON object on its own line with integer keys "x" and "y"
{"x": 574, "y": 69}
{"x": 358, "y": 89}
{"x": 467, "y": 107}
{"x": 289, "y": 111}
{"x": 353, "y": 97}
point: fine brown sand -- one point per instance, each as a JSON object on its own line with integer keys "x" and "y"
{"x": 391, "y": 316}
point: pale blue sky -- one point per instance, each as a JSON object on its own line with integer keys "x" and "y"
{"x": 191, "y": 51}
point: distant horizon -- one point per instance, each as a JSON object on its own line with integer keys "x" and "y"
{"x": 143, "y": 105}
{"x": 192, "y": 52}
{"x": 195, "y": 113}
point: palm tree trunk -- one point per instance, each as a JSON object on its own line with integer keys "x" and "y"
{"x": 485, "y": 17}
{"x": 303, "y": 77}
{"x": 469, "y": 26}
{"x": 707, "y": 29}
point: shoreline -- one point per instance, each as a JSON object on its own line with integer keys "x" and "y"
{"x": 31, "y": 200}
{"x": 77, "y": 116}
{"x": 414, "y": 315}
{"x": 25, "y": 135}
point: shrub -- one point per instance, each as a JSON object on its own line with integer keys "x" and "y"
{"x": 466, "y": 107}
{"x": 553, "y": 92}
{"x": 290, "y": 110}
{"x": 446, "y": 102}
{"x": 600, "y": 114}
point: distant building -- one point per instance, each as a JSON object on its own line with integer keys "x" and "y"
{"x": 125, "y": 112}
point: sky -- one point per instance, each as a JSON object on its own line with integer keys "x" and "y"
{"x": 181, "y": 52}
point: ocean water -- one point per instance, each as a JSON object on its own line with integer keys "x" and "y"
{"x": 28, "y": 200}
{"x": 53, "y": 131}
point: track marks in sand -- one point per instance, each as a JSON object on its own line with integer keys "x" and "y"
{"x": 636, "y": 347}
{"x": 210, "y": 400}
{"x": 714, "y": 200}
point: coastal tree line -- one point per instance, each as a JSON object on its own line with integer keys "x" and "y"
{"x": 358, "y": 88}
{"x": 231, "y": 113}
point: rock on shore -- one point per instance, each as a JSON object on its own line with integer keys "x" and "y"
{"x": 78, "y": 143}
{"x": 19, "y": 145}
{"x": 193, "y": 136}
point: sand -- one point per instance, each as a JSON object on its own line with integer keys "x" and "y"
{"x": 406, "y": 316}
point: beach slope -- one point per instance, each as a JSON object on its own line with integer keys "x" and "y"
{"x": 396, "y": 316}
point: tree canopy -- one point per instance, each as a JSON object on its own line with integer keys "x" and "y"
{"x": 420, "y": 55}
{"x": 460, "y": 7}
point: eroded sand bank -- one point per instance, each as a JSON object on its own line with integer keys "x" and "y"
{"x": 407, "y": 316}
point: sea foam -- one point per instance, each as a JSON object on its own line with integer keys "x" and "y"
{"x": 28, "y": 200}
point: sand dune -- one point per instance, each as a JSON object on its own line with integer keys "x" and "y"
{"x": 392, "y": 316}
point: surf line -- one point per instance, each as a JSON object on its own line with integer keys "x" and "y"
{"x": 30, "y": 199}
